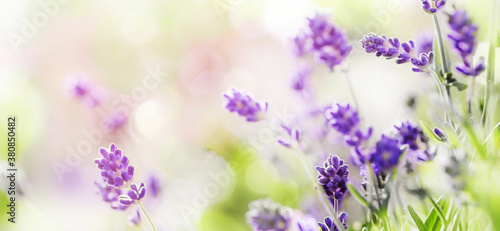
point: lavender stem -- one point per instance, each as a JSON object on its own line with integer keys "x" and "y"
{"x": 153, "y": 227}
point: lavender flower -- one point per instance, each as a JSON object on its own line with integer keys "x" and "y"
{"x": 385, "y": 155}
{"x": 300, "y": 79}
{"x": 424, "y": 42}
{"x": 266, "y": 215}
{"x": 115, "y": 167}
{"x": 345, "y": 120}
{"x": 409, "y": 134}
{"x": 78, "y": 85}
{"x": 110, "y": 194}
{"x": 244, "y": 105}
{"x": 333, "y": 177}
{"x": 134, "y": 195}
{"x": 463, "y": 36}
{"x": 154, "y": 185}
{"x": 440, "y": 134}
{"x": 304, "y": 223}
{"x": 328, "y": 224}
{"x": 392, "y": 48}
{"x": 115, "y": 121}
{"x": 294, "y": 134}
{"x": 135, "y": 218}
{"x": 432, "y": 6}
{"x": 325, "y": 41}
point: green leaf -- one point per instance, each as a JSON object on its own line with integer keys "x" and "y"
{"x": 460, "y": 86}
{"x": 432, "y": 222}
{"x": 456, "y": 221}
{"x": 354, "y": 192}
{"x": 428, "y": 131}
{"x": 402, "y": 157}
{"x": 439, "y": 210}
{"x": 417, "y": 219}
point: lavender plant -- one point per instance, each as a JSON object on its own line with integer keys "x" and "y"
{"x": 389, "y": 164}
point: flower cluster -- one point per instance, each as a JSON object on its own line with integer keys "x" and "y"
{"x": 244, "y": 105}
{"x": 329, "y": 225}
{"x": 432, "y": 6}
{"x": 385, "y": 155}
{"x": 333, "y": 177}
{"x": 409, "y": 134}
{"x": 325, "y": 41}
{"x": 463, "y": 36}
{"x": 266, "y": 215}
{"x": 116, "y": 175}
{"x": 82, "y": 88}
{"x": 392, "y": 48}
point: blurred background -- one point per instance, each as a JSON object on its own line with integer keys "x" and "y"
{"x": 158, "y": 70}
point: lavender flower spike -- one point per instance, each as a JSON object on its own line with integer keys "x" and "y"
{"x": 134, "y": 195}
{"x": 244, "y": 105}
{"x": 328, "y": 225}
{"x": 266, "y": 215}
{"x": 345, "y": 120}
{"x": 385, "y": 155}
{"x": 432, "y": 6}
{"x": 328, "y": 43}
{"x": 110, "y": 194}
{"x": 392, "y": 48}
{"x": 115, "y": 167}
{"x": 333, "y": 177}
{"x": 464, "y": 39}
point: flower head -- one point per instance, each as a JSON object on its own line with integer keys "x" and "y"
{"x": 304, "y": 223}
{"x": 110, "y": 194}
{"x": 463, "y": 36}
{"x": 432, "y": 6}
{"x": 385, "y": 155}
{"x": 328, "y": 224}
{"x": 333, "y": 177}
{"x": 325, "y": 41}
{"x": 392, "y": 48}
{"x": 409, "y": 134}
{"x": 244, "y": 105}
{"x": 342, "y": 118}
{"x": 266, "y": 215}
{"x": 114, "y": 166}
{"x": 154, "y": 185}
{"x": 134, "y": 195}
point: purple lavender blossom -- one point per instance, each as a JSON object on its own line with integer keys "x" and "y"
{"x": 463, "y": 36}
{"x": 304, "y": 223}
{"x": 328, "y": 224}
{"x": 154, "y": 185}
{"x": 424, "y": 42}
{"x": 134, "y": 195}
{"x": 432, "y": 6}
{"x": 294, "y": 134}
{"x": 135, "y": 218}
{"x": 440, "y": 134}
{"x": 385, "y": 155}
{"x": 409, "y": 134}
{"x": 300, "y": 79}
{"x": 345, "y": 120}
{"x": 115, "y": 121}
{"x": 325, "y": 41}
{"x": 244, "y": 105}
{"x": 110, "y": 194}
{"x": 392, "y": 48}
{"x": 333, "y": 177}
{"x": 115, "y": 167}
{"x": 266, "y": 215}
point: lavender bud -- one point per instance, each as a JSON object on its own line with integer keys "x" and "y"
{"x": 244, "y": 105}
{"x": 266, "y": 215}
{"x": 329, "y": 225}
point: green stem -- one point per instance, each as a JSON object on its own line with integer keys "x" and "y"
{"x": 444, "y": 64}
{"x": 470, "y": 94}
{"x": 153, "y": 227}
{"x": 490, "y": 77}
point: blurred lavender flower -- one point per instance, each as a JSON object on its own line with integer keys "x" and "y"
{"x": 266, "y": 215}
{"x": 325, "y": 41}
{"x": 154, "y": 185}
{"x": 432, "y": 6}
{"x": 440, "y": 134}
{"x": 409, "y": 134}
{"x": 115, "y": 167}
{"x": 115, "y": 121}
{"x": 424, "y": 42}
{"x": 304, "y": 223}
{"x": 333, "y": 177}
{"x": 110, "y": 194}
{"x": 244, "y": 105}
{"x": 294, "y": 134}
{"x": 300, "y": 79}
{"x": 385, "y": 155}
{"x": 134, "y": 195}
{"x": 463, "y": 36}
{"x": 135, "y": 218}
{"x": 328, "y": 224}
{"x": 345, "y": 120}
{"x": 80, "y": 87}
{"x": 404, "y": 52}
